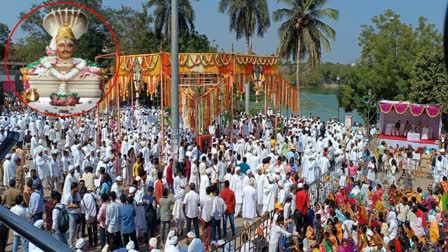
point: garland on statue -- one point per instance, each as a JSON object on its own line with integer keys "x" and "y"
{"x": 48, "y": 63}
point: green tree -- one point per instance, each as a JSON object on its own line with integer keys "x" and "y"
{"x": 429, "y": 84}
{"x": 247, "y": 17}
{"x": 162, "y": 15}
{"x": 196, "y": 42}
{"x": 4, "y": 34}
{"x": 303, "y": 33}
{"x": 389, "y": 49}
{"x": 136, "y": 34}
{"x": 134, "y": 30}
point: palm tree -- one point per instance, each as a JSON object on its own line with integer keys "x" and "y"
{"x": 303, "y": 33}
{"x": 162, "y": 15}
{"x": 247, "y": 17}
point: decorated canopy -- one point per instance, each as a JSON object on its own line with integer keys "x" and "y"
{"x": 415, "y": 109}
{"x": 424, "y": 119}
{"x": 205, "y": 81}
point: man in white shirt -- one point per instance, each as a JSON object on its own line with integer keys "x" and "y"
{"x": 116, "y": 187}
{"x": 191, "y": 208}
{"x": 206, "y": 215}
{"x": 22, "y": 212}
{"x": 249, "y": 203}
{"x": 236, "y": 185}
{"x": 72, "y": 201}
{"x": 219, "y": 207}
{"x": 181, "y": 158}
{"x": 277, "y": 230}
{"x": 88, "y": 205}
{"x": 113, "y": 220}
{"x": 55, "y": 171}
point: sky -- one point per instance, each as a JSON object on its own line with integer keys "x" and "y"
{"x": 345, "y": 49}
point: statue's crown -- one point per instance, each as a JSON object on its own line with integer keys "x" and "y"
{"x": 65, "y": 32}
{"x": 66, "y": 23}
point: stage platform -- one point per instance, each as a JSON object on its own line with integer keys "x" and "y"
{"x": 403, "y": 141}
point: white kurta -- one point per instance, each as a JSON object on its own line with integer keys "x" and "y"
{"x": 9, "y": 172}
{"x": 205, "y": 182}
{"x": 305, "y": 167}
{"x": 140, "y": 213}
{"x": 55, "y": 170}
{"x": 236, "y": 185}
{"x": 196, "y": 246}
{"x": 42, "y": 168}
{"x": 313, "y": 170}
{"x": 249, "y": 202}
{"x": 116, "y": 188}
{"x": 324, "y": 164}
{"x": 271, "y": 192}
{"x": 67, "y": 184}
{"x": 178, "y": 212}
{"x": 194, "y": 174}
{"x": 262, "y": 182}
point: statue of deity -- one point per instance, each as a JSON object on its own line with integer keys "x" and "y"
{"x": 60, "y": 76}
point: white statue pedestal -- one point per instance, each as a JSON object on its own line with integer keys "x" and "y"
{"x": 89, "y": 87}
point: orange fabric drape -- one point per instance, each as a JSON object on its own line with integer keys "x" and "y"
{"x": 230, "y": 66}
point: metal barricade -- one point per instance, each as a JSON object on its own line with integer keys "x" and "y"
{"x": 320, "y": 188}
{"x": 238, "y": 241}
{"x": 318, "y": 191}
{"x": 38, "y": 237}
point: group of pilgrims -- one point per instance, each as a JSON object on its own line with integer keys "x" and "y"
{"x": 123, "y": 193}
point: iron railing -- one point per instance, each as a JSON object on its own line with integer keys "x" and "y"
{"x": 318, "y": 191}
{"x": 320, "y": 188}
{"x": 237, "y": 242}
{"x": 38, "y": 237}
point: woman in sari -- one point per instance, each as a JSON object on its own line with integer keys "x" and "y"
{"x": 333, "y": 239}
{"x": 325, "y": 246}
{"x": 377, "y": 196}
{"x": 363, "y": 216}
{"x": 444, "y": 194}
{"x": 345, "y": 246}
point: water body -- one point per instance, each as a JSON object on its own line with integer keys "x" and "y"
{"x": 322, "y": 102}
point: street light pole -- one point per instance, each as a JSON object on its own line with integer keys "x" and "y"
{"x": 247, "y": 103}
{"x": 368, "y": 114}
{"x": 337, "y": 98}
{"x": 175, "y": 76}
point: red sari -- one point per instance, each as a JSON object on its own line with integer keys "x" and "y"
{"x": 377, "y": 196}
{"x": 391, "y": 194}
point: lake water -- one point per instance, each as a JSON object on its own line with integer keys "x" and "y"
{"x": 322, "y": 102}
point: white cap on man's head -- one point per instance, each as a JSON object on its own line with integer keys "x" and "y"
{"x": 153, "y": 242}
{"x": 132, "y": 189}
{"x": 191, "y": 235}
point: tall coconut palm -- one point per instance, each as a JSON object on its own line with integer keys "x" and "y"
{"x": 247, "y": 17}
{"x": 303, "y": 33}
{"x": 162, "y": 17}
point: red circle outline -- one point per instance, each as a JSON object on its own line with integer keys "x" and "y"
{"x": 117, "y": 46}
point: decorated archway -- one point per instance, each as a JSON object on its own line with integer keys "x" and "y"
{"x": 208, "y": 83}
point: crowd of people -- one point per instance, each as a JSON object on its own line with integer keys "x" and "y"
{"x": 120, "y": 192}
